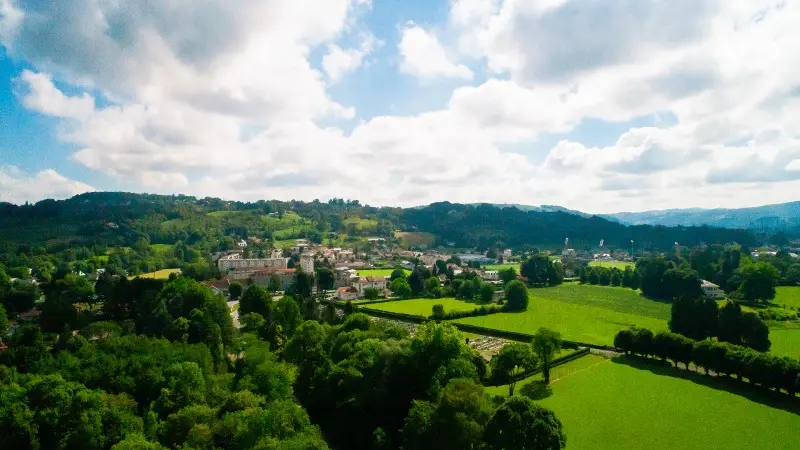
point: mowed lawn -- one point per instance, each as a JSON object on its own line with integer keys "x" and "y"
{"x": 621, "y": 265}
{"x": 582, "y": 313}
{"x": 503, "y": 266}
{"x": 605, "y": 404}
{"x": 785, "y": 338}
{"x": 378, "y": 272}
{"x": 162, "y": 274}
{"x": 424, "y": 306}
{"x": 787, "y": 296}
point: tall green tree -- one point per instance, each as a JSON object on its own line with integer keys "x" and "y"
{"x": 521, "y": 424}
{"x": 513, "y": 359}
{"x": 235, "y": 290}
{"x": 757, "y": 281}
{"x": 516, "y": 296}
{"x": 546, "y": 344}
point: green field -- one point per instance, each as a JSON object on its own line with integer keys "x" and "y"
{"x": 621, "y": 265}
{"x": 582, "y": 313}
{"x": 515, "y": 266}
{"x": 162, "y": 274}
{"x": 414, "y": 238}
{"x": 378, "y": 272}
{"x": 161, "y": 248}
{"x": 607, "y": 404}
{"x": 360, "y": 224}
{"x": 423, "y": 306}
{"x": 785, "y": 338}
{"x": 787, "y": 296}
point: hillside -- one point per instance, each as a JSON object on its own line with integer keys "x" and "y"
{"x": 783, "y": 216}
{"x": 124, "y": 219}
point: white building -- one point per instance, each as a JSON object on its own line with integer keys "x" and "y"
{"x": 236, "y": 262}
{"x": 490, "y": 275}
{"x": 711, "y": 290}
{"x": 363, "y": 283}
{"x": 507, "y": 253}
{"x": 242, "y": 243}
{"x": 345, "y": 255}
{"x": 347, "y": 293}
{"x": 307, "y": 262}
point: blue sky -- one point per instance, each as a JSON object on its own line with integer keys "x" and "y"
{"x": 655, "y": 105}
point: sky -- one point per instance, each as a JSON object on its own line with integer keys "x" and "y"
{"x": 595, "y": 105}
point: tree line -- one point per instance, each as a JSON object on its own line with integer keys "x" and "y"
{"x": 724, "y": 359}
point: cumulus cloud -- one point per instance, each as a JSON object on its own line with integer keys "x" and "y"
{"x": 19, "y": 187}
{"x": 425, "y": 57}
{"x": 233, "y": 107}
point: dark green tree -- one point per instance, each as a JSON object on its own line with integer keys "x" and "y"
{"x": 516, "y": 296}
{"x": 521, "y": 424}
{"x": 546, "y": 344}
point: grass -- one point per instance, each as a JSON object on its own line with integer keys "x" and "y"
{"x": 607, "y": 404}
{"x": 787, "y": 296}
{"x": 361, "y": 224}
{"x": 162, "y": 274}
{"x": 785, "y": 338}
{"x": 423, "y": 306}
{"x": 161, "y": 248}
{"x": 555, "y": 373}
{"x": 582, "y": 313}
{"x": 414, "y": 238}
{"x": 503, "y": 266}
{"x": 621, "y": 265}
{"x": 378, "y": 272}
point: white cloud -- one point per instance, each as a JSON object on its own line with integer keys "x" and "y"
{"x": 338, "y": 62}
{"x": 19, "y": 187}
{"x": 425, "y": 57}
{"x": 233, "y": 108}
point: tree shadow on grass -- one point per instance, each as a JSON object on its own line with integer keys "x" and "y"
{"x": 760, "y": 395}
{"x": 536, "y": 390}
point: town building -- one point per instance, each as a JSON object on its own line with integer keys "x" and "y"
{"x": 236, "y": 262}
{"x": 363, "y": 283}
{"x": 347, "y": 293}
{"x": 490, "y": 275}
{"x": 307, "y": 263}
{"x": 711, "y": 290}
{"x": 507, "y": 253}
{"x": 242, "y": 244}
{"x": 262, "y": 277}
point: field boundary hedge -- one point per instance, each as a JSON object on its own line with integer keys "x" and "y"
{"x": 577, "y": 354}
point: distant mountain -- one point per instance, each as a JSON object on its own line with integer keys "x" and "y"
{"x": 782, "y": 216}
{"x": 540, "y": 208}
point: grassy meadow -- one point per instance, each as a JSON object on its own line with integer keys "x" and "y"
{"x": 583, "y": 313}
{"x": 503, "y": 266}
{"x": 621, "y": 265}
{"x": 414, "y": 238}
{"x": 424, "y": 306}
{"x": 618, "y": 404}
{"x": 162, "y": 274}
{"x": 787, "y": 296}
{"x": 378, "y": 272}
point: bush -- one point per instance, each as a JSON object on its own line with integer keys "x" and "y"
{"x": 481, "y": 311}
{"x": 516, "y": 296}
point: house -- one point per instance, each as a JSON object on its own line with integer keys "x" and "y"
{"x": 236, "y": 262}
{"x": 507, "y": 253}
{"x": 490, "y": 275}
{"x": 301, "y": 242}
{"x": 262, "y": 277}
{"x": 363, "y": 283}
{"x": 218, "y": 286}
{"x": 242, "y": 243}
{"x": 347, "y": 293}
{"x": 711, "y": 290}
{"x": 307, "y": 262}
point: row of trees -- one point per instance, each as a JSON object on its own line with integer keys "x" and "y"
{"x": 700, "y": 318}
{"x": 516, "y": 359}
{"x": 769, "y": 371}
{"x": 610, "y": 276}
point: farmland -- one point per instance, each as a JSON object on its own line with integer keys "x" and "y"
{"x": 423, "y": 306}
{"x": 378, "y": 272}
{"x": 787, "y": 296}
{"x": 785, "y": 340}
{"x": 162, "y": 274}
{"x": 607, "y": 404}
{"x": 582, "y": 313}
{"x": 621, "y": 265}
{"x": 414, "y": 238}
{"x": 504, "y": 266}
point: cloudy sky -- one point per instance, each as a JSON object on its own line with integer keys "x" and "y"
{"x": 597, "y": 105}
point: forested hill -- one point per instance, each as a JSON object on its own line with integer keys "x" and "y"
{"x": 123, "y": 219}
{"x": 484, "y": 225}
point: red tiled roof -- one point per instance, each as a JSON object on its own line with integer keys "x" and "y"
{"x": 272, "y": 270}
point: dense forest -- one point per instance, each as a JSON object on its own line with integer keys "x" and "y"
{"x": 121, "y": 219}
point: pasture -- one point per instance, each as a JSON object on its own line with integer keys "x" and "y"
{"x": 618, "y": 404}
{"x": 414, "y": 238}
{"x": 785, "y": 338}
{"x": 787, "y": 296}
{"x": 424, "y": 306}
{"x": 162, "y": 274}
{"x": 582, "y": 313}
{"x": 503, "y": 266}
{"x": 378, "y": 272}
{"x": 621, "y": 265}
